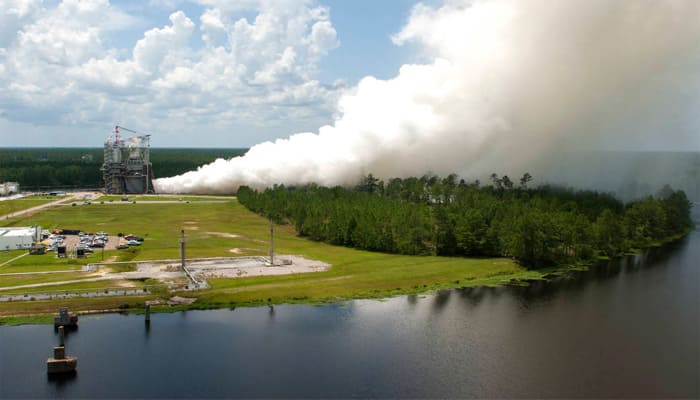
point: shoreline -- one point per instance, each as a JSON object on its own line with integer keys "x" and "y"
{"x": 520, "y": 278}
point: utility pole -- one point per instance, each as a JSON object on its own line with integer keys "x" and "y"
{"x": 182, "y": 249}
{"x": 272, "y": 243}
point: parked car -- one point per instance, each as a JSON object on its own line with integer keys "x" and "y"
{"x": 133, "y": 242}
{"x": 84, "y": 248}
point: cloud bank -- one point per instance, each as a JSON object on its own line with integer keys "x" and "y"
{"x": 229, "y": 64}
{"x": 507, "y": 85}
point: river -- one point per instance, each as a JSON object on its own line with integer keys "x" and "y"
{"x": 627, "y": 328}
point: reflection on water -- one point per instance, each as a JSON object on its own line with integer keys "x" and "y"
{"x": 61, "y": 380}
{"x": 59, "y": 383}
{"x": 626, "y": 328}
{"x": 440, "y": 299}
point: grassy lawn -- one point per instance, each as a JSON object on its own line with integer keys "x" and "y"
{"x": 61, "y": 266}
{"x": 116, "y": 198}
{"x": 228, "y": 229}
{"x": 10, "y": 206}
{"x": 208, "y": 227}
{"x": 364, "y": 276}
{"x": 8, "y": 255}
{"x": 17, "y": 280}
{"x": 44, "y": 262}
{"x": 110, "y": 283}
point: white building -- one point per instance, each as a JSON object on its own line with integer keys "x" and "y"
{"x": 19, "y": 238}
{"x": 9, "y": 188}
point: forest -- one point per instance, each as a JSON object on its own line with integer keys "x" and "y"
{"x": 56, "y": 168}
{"x": 539, "y": 227}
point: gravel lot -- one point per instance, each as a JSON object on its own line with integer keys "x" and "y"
{"x": 256, "y": 266}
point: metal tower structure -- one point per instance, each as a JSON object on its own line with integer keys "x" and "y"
{"x": 127, "y": 166}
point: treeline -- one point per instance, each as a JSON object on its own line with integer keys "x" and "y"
{"x": 41, "y": 168}
{"x": 538, "y": 227}
{"x": 36, "y": 168}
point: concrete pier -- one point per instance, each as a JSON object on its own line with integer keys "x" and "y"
{"x": 148, "y": 314}
{"x": 60, "y": 363}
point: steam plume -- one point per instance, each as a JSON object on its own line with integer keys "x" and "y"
{"x": 507, "y": 85}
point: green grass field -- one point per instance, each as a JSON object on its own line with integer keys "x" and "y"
{"x": 228, "y": 229}
{"x": 118, "y": 198}
{"x": 6, "y": 256}
{"x": 98, "y": 285}
{"x": 18, "y": 280}
{"x": 10, "y": 206}
{"x": 208, "y": 227}
{"x": 37, "y": 263}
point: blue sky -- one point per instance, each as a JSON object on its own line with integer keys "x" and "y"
{"x": 63, "y": 90}
{"x": 364, "y": 28}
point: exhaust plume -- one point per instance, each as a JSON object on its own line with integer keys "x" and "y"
{"x": 508, "y": 85}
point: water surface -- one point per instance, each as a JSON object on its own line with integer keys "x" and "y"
{"x": 627, "y": 328}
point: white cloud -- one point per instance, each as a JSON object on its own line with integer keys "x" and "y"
{"x": 108, "y": 74}
{"x": 14, "y": 14}
{"x": 323, "y": 38}
{"x": 167, "y": 45}
{"x": 213, "y": 27}
{"x": 165, "y": 4}
{"x": 59, "y": 64}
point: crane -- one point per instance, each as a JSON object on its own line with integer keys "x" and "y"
{"x": 118, "y": 139}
